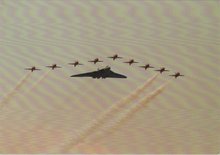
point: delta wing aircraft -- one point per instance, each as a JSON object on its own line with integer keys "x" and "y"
{"x": 101, "y": 73}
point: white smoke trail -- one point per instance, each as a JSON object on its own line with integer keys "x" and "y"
{"x": 130, "y": 112}
{"x": 109, "y": 113}
{"x": 38, "y": 81}
{"x": 7, "y": 97}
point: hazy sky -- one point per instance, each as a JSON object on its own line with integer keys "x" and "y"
{"x": 182, "y": 36}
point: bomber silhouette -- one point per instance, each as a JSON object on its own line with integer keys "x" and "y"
{"x": 176, "y": 75}
{"x": 101, "y": 73}
{"x": 32, "y": 69}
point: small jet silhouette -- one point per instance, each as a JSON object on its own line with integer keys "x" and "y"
{"x": 176, "y": 75}
{"x": 32, "y": 69}
{"x": 76, "y": 63}
{"x": 53, "y": 66}
{"x": 95, "y": 60}
{"x": 130, "y": 62}
{"x": 101, "y": 73}
{"x": 161, "y": 70}
{"x": 114, "y": 57}
{"x": 146, "y": 66}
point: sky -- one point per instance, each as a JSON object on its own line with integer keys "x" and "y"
{"x": 45, "y": 111}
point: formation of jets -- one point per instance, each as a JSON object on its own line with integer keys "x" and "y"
{"x": 105, "y": 72}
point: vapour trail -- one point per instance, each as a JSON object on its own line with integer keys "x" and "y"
{"x": 130, "y": 112}
{"x": 109, "y": 113}
{"x": 38, "y": 81}
{"x": 7, "y": 97}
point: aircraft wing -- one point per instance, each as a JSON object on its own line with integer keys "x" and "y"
{"x": 49, "y": 66}
{"x": 32, "y": 69}
{"x": 89, "y": 74}
{"x": 176, "y": 75}
{"x": 112, "y": 74}
{"x": 143, "y": 66}
{"x": 100, "y": 74}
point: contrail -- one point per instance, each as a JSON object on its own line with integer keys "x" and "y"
{"x": 108, "y": 114}
{"x": 132, "y": 111}
{"x": 39, "y": 81}
{"x": 7, "y": 97}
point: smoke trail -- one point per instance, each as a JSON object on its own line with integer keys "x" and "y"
{"x": 38, "y": 82}
{"x": 108, "y": 114}
{"x": 7, "y": 97}
{"x": 132, "y": 111}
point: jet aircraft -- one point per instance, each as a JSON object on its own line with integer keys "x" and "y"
{"x": 114, "y": 57}
{"x": 32, "y": 69}
{"x": 95, "y": 60}
{"x": 76, "y": 63}
{"x": 161, "y": 70}
{"x": 146, "y": 66}
{"x": 101, "y": 73}
{"x": 54, "y": 66}
{"x": 130, "y": 62}
{"x": 176, "y": 75}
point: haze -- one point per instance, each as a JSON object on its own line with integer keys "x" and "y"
{"x": 51, "y": 108}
